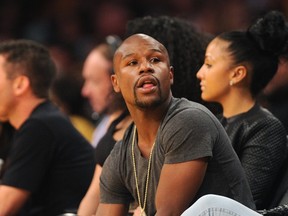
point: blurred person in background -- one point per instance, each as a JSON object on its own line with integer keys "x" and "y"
{"x": 6, "y": 136}
{"x": 50, "y": 165}
{"x": 66, "y": 90}
{"x": 97, "y": 71}
{"x": 110, "y": 105}
{"x": 66, "y": 93}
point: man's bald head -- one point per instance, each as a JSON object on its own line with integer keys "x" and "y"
{"x": 129, "y": 44}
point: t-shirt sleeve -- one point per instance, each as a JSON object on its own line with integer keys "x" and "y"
{"x": 112, "y": 187}
{"x": 30, "y": 156}
{"x": 188, "y": 135}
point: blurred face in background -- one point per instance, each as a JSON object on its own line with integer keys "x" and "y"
{"x": 97, "y": 86}
{"x": 7, "y": 97}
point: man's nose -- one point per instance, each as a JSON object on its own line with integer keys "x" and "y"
{"x": 84, "y": 90}
{"x": 146, "y": 67}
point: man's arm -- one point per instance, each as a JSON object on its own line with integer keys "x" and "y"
{"x": 90, "y": 202}
{"x": 178, "y": 185}
{"x": 11, "y": 200}
{"x": 112, "y": 209}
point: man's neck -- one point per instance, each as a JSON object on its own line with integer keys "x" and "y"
{"x": 23, "y": 110}
{"x": 148, "y": 122}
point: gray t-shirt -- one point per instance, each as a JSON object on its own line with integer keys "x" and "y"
{"x": 189, "y": 131}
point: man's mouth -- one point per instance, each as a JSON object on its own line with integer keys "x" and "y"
{"x": 146, "y": 82}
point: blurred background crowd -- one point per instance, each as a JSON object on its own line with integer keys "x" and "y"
{"x": 71, "y": 28}
{"x": 74, "y": 30}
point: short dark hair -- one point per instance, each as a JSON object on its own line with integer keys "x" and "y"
{"x": 259, "y": 48}
{"x": 35, "y": 61}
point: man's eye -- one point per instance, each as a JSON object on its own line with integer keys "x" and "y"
{"x": 131, "y": 63}
{"x": 154, "y": 60}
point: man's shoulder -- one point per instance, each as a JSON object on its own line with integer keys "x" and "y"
{"x": 191, "y": 116}
{"x": 188, "y": 110}
{"x": 49, "y": 115}
{"x": 47, "y": 110}
{"x": 48, "y": 120}
{"x": 183, "y": 103}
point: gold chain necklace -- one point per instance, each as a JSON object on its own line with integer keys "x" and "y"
{"x": 142, "y": 208}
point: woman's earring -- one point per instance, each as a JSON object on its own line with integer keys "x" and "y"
{"x": 231, "y": 83}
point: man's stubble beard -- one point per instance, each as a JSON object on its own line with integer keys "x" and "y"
{"x": 148, "y": 104}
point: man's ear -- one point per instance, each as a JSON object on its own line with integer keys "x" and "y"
{"x": 238, "y": 74}
{"x": 171, "y": 75}
{"x": 20, "y": 84}
{"x": 115, "y": 84}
